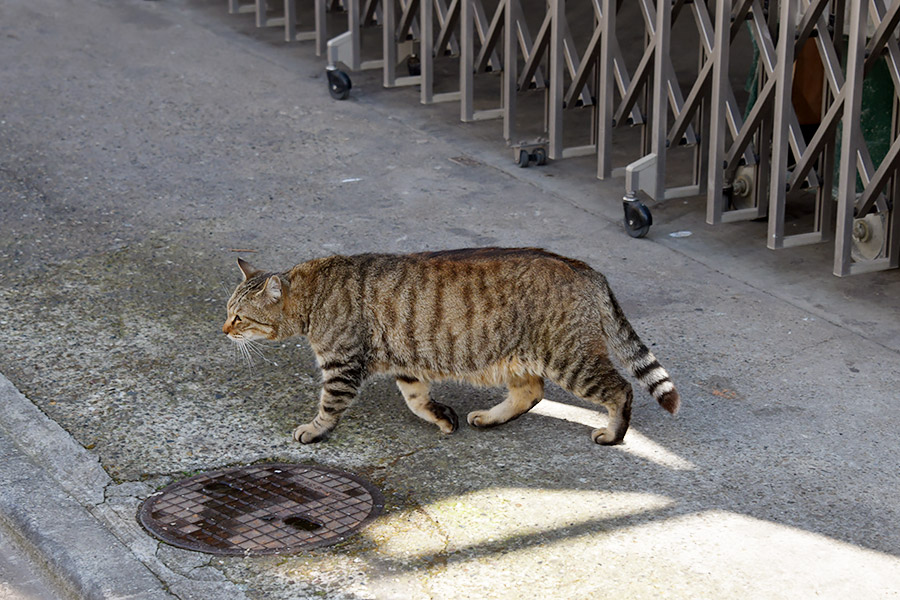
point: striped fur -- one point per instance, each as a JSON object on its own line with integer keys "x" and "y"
{"x": 487, "y": 316}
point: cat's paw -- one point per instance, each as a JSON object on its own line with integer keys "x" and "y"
{"x": 481, "y": 418}
{"x": 447, "y": 419}
{"x": 309, "y": 434}
{"x": 606, "y": 437}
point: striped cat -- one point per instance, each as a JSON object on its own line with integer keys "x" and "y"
{"x": 487, "y": 316}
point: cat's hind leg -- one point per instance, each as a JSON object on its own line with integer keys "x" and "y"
{"x": 597, "y": 380}
{"x": 524, "y": 393}
{"x": 418, "y": 399}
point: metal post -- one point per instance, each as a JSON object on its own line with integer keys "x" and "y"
{"x": 426, "y": 51}
{"x": 290, "y": 20}
{"x": 557, "y": 10}
{"x": 389, "y": 42}
{"x": 850, "y": 142}
{"x": 510, "y": 75}
{"x": 893, "y": 227}
{"x": 780, "y": 149}
{"x": 260, "y": 13}
{"x": 321, "y": 36}
{"x": 660, "y": 84}
{"x": 605, "y": 91}
{"x": 466, "y": 63}
{"x": 354, "y": 21}
{"x": 716, "y": 134}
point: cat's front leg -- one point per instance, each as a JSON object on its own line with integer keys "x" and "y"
{"x": 416, "y": 394}
{"x": 338, "y": 392}
{"x": 331, "y": 407}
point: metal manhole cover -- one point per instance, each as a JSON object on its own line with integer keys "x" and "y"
{"x": 261, "y": 509}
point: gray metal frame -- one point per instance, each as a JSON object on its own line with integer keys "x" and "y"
{"x": 854, "y": 158}
{"x": 507, "y": 21}
{"x": 398, "y": 39}
{"x": 345, "y": 48}
{"x": 318, "y": 33}
{"x": 289, "y": 20}
{"x": 410, "y": 32}
{"x": 648, "y": 174}
{"x": 447, "y": 19}
{"x": 748, "y": 165}
{"x": 794, "y": 167}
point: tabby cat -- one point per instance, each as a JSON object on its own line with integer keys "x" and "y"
{"x": 487, "y": 316}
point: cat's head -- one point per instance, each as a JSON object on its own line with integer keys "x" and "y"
{"x": 256, "y": 308}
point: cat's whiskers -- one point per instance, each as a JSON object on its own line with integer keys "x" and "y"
{"x": 257, "y": 349}
{"x": 239, "y": 345}
{"x": 245, "y": 350}
{"x": 249, "y": 349}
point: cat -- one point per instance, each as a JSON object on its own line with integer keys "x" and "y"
{"x": 486, "y": 316}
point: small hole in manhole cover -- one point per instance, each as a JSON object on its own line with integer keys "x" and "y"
{"x": 261, "y": 509}
{"x": 302, "y": 523}
{"x": 217, "y": 487}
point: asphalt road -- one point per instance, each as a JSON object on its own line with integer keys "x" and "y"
{"x": 144, "y": 146}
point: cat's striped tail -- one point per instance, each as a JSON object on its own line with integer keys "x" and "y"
{"x": 634, "y": 355}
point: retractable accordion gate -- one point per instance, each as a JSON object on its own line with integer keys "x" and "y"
{"x": 798, "y": 137}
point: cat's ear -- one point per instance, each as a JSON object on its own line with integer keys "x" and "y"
{"x": 273, "y": 289}
{"x": 246, "y": 269}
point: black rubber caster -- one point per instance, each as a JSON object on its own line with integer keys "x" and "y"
{"x": 539, "y": 156}
{"x": 637, "y": 218}
{"x": 414, "y": 66}
{"x": 338, "y": 84}
{"x": 524, "y": 158}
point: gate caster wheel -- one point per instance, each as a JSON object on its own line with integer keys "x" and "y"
{"x": 869, "y": 236}
{"x": 524, "y": 157}
{"x": 338, "y": 84}
{"x": 637, "y": 218}
{"x": 539, "y": 156}
{"x": 414, "y": 66}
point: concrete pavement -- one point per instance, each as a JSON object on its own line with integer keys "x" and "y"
{"x": 18, "y": 576}
{"x": 144, "y": 142}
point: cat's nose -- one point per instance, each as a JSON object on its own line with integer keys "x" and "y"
{"x": 226, "y": 328}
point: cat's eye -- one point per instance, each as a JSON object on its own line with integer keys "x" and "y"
{"x": 236, "y": 320}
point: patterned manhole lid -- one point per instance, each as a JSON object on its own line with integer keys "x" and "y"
{"x": 261, "y": 509}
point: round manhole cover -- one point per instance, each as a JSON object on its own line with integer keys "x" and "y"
{"x": 261, "y": 509}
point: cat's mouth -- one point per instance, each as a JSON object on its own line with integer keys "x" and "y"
{"x": 237, "y": 336}
{"x": 248, "y": 336}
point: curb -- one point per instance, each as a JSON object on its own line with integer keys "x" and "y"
{"x": 47, "y": 481}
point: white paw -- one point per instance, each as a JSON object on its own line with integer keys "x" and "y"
{"x": 604, "y": 437}
{"x": 308, "y": 434}
{"x": 479, "y": 418}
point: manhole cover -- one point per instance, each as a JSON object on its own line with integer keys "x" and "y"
{"x": 261, "y": 509}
